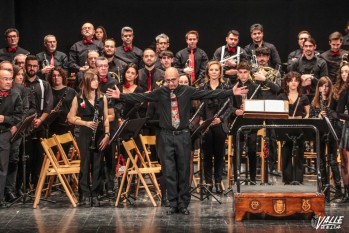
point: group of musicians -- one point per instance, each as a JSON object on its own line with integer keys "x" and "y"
{"x": 181, "y": 92}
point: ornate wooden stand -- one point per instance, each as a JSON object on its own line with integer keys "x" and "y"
{"x": 278, "y": 204}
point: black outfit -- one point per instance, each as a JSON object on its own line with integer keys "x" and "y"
{"x": 175, "y": 144}
{"x": 345, "y": 44}
{"x": 78, "y": 53}
{"x": 5, "y": 55}
{"x": 287, "y": 169}
{"x": 218, "y": 57}
{"x": 343, "y": 104}
{"x": 133, "y": 56}
{"x": 33, "y": 145}
{"x": 274, "y": 60}
{"x": 200, "y": 57}
{"x": 60, "y": 60}
{"x": 214, "y": 140}
{"x": 156, "y": 76}
{"x": 90, "y": 179}
{"x": 333, "y": 61}
{"x": 117, "y": 66}
{"x": 11, "y": 108}
{"x": 252, "y": 134}
{"x": 327, "y": 140}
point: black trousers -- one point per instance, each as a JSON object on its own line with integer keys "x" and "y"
{"x": 109, "y": 164}
{"x": 13, "y": 166}
{"x": 292, "y": 172}
{"x": 214, "y": 147}
{"x": 175, "y": 151}
{"x": 4, "y": 158}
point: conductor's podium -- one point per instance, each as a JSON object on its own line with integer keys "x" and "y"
{"x": 287, "y": 201}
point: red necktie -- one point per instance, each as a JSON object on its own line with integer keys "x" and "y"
{"x": 231, "y": 49}
{"x": 192, "y": 65}
{"x": 3, "y": 93}
{"x": 174, "y": 111}
{"x": 11, "y": 50}
{"x": 127, "y": 48}
{"x": 103, "y": 80}
{"x": 150, "y": 81}
{"x": 334, "y": 54}
{"x": 86, "y": 41}
{"x": 52, "y": 62}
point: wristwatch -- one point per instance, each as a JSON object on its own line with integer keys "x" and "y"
{"x": 107, "y": 133}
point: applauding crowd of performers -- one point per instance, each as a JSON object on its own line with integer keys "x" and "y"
{"x": 179, "y": 90}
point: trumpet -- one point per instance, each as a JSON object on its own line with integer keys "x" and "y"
{"x": 344, "y": 60}
{"x": 228, "y": 58}
{"x": 115, "y": 75}
{"x": 45, "y": 61}
{"x": 254, "y": 63}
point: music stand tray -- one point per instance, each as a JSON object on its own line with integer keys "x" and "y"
{"x": 201, "y": 129}
{"x": 25, "y": 124}
{"x": 129, "y": 129}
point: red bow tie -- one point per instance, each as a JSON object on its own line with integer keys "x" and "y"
{"x": 127, "y": 48}
{"x": 127, "y": 85}
{"x": 11, "y": 50}
{"x": 333, "y": 54}
{"x": 103, "y": 80}
{"x": 4, "y": 93}
{"x": 232, "y": 49}
{"x": 86, "y": 41}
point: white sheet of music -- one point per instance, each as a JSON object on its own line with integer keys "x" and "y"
{"x": 254, "y": 106}
{"x": 275, "y": 106}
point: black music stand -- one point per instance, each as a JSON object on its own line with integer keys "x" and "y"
{"x": 295, "y": 134}
{"x": 129, "y": 129}
{"x": 49, "y": 120}
{"x": 201, "y": 132}
{"x": 21, "y": 133}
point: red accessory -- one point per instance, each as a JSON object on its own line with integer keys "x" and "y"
{"x": 174, "y": 111}
{"x": 231, "y": 49}
{"x": 83, "y": 104}
{"x": 11, "y": 50}
{"x": 127, "y": 48}
{"x": 128, "y": 85}
{"x": 334, "y": 54}
{"x": 192, "y": 65}
{"x": 86, "y": 41}
{"x": 103, "y": 80}
{"x": 4, "y": 93}
{"x": 52, "y": 62}
{"x": 150, "y": 81}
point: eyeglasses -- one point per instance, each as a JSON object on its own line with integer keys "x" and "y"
{"x": 172, "y": 80}
{"x": 7, "y": 79}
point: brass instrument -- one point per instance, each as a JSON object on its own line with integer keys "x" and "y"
{"x": 254, "y": 63}
{"x": 96, "y": 120}
{"x": 272, "y": 75}
{"x": 116, "y": 76}
{"x": 160, "y": 83}
{"x": 228, "y": 58}
{"x": 188, "y": 63}
{"x": 45, "y": 62}
{"x": 345, "y": 59}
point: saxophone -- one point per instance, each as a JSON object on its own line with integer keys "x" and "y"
{"x": 96, "y": 120}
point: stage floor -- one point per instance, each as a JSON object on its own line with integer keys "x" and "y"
{"x": 205, "y": 216}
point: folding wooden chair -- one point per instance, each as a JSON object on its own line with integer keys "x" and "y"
{"x": 136, "y": 165}
{"x": 148, "y": 141}
{"x": 51, "y": 167}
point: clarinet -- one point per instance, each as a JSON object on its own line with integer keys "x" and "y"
{"x": 60, "y": 102}
{"x": 96, "y": 120}
{"x": 218, "y": 113}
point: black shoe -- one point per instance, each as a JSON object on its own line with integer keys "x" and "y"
{"x": 165, "y": 203}
{"x": 85, "y": 202}
{"x": 110, "y": 193}
{"x": 19, "y": 193}
{"x": 274, "y": 173}
{"x": 95, "y": 202}
{"x": 218, "y": 188}
{"x": 3, "y": 204}
{"x": 172, "y": 210}
{"x": 184, "y": 211}
{"x": 10, "y": 197}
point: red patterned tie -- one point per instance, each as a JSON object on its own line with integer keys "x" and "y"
{"x": 52, "y": 62}
{"x": 192, "y": 65}
{"x": 174, "y": 111}
{"x": 150, "y": 81}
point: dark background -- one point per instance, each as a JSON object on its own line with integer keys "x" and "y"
{"x": 282, "y": 20}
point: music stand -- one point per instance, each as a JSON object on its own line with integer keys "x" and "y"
{"x": 201, "y": 132}
{"x": 21, "y": 133}
{"x": 49, "y": 120}
{"x": 129, "y": 129}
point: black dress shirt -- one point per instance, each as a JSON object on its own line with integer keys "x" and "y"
{"x": 122, "y": 109}
{"x": 333, "y": 63}
{"x": 184, "y": 96}
{"x": 117, "y": 66}
{"x": 133, "y": 56}
{"x": 78, "y": 53}
{"x": 156, "y": 75}
{"x": 200, "y": 63}
{"x": 12, "y": 110}
{"x": 60, "y": 59}
{"x": 274, "y": 59}
{"x": 6, "y": 56}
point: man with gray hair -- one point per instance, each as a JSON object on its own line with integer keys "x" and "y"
{"x": 127, "y": 52}
{"x": 162, "y": 44}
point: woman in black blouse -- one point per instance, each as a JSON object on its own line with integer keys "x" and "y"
{"x": 82, "y": 114}
{"x": 298, "y": 108}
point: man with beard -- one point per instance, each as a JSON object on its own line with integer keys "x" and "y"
{"x": 115, "y": 65}
{"x": 44, "y": 103}
{"x": 78, "y": 51}
{"x": 127, "y": 52}
{"x": 294, "y": 55}
{"x": 257, "y": 35}
{"x": 12, "y": 49}
{"x": 50, "y": 57}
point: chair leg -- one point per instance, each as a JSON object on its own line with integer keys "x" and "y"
{"x": 41, "y": 181}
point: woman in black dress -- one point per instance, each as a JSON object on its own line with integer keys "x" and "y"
{"x": 298, "y": 108}
{"x": 89, "y": 111}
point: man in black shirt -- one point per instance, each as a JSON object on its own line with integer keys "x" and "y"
{"x": 294, "y": 55}
{"x": 78, "y": 51}
{"x": 90, "y": 64}
{"x": 50, "y": 57}
{"x": 44, "y": 103}
{"x": 10, "y": 114}
{"x": 192, "y": 60}
{"x": 230, "y": 49}
{"x": 116, "y": 65}
{"x": 12, "y": 49}
{"x": 333, "y": 56}
{"x": 257, "y": 35}
{"x": 127, "y": 52}
{"x": 166, "y": 60}
{"x": 162, "y": 44}
{"x": 174, "y": 104}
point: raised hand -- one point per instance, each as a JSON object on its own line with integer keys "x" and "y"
{"x": 111, "y": 93}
